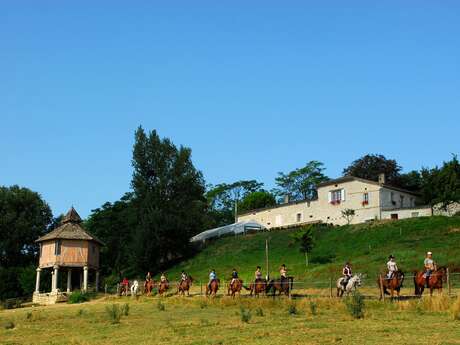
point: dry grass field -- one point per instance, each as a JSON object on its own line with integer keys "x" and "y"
{"x": 198, "y": 320}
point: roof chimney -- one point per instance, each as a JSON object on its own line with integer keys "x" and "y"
{"x": 286, "y": 198}
{"x": 382, "y": 178}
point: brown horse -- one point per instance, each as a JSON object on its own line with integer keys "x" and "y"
{"x": 212, "y": 288}
{"x": 235, "y": 287}
{"x": 280, "y": 285}
{"x": 148, "y": 286}
{"x": 163, "y": 287}
{"x": 184, "y": 286}
{"x": 393, "y": 284}
{"x": 434, "y": 282}
{"x": 123, "y": 290}
{"x": 257, "y": 287}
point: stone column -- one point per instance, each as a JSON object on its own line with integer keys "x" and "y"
{"x": 69, "y": 279}
{"x": 85, "y": 278}
{"x": 97, "y": 281}
{"x": 37, "y": 281}
{"x": 55, "y": 278}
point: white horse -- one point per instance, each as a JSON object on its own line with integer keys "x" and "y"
{"x": 352, "y": 284}
{"x": 134, "y": 288}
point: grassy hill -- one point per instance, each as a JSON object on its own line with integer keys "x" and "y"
{"x": 367, "y": 246}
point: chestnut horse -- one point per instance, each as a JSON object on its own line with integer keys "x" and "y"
{"x": 393, "y": 284}
{"x": 163, "y": 287}
{"x": 257, "y": 287}
{"x": 280, "y": 285}
{"x": 235, "y": 287}
{"x": 148, "y": 286}
{"x": 212, "y": 288}
{"x": 434, "y": 282}
{"x": 184, "y": 286}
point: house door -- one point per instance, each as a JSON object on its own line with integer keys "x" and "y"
{"x": 394, "y": 216}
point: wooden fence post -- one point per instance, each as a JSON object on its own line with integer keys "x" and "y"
{"x": 381, "y": 287}
{"x": 330, "y": 287}
{"x": 449, "y": 286}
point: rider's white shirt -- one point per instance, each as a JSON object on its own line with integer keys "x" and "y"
{"x": 392, "y": 266}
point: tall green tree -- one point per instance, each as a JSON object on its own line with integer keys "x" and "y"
{"x": 447, "y": 183}
{"x": 169, "y": 200}
{"x": 256, "y": 200}
{"x": 371, "y": 165}
{"x": 300, "y": 184}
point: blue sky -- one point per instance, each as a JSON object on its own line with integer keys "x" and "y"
{"x": 253, "y": 87}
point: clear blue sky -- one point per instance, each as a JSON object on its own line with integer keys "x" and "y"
{"x": 253, "y": 87}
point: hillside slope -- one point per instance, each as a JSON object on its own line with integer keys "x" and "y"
{"x": 367, "y": 246}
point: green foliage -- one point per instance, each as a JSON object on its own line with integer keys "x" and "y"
{"x": 161, "y": 306}
{"x": 371, "y": 166}
{"x": 8, "y": 324}
{"x": 305, "y": 238}
{"x": 245, "y": 315}
{"x": 300, "y": 184}
{"x": 355, "y": 305}
{"x": 259, "y": 312}
{"x": 256, "y": 200}
{"x": 113, "y": 313}
{"x": 80, "y": 312}
{"x": 292, "y": 309}
{"x": 125, "y": 309}
{"x": 78, "y": 297}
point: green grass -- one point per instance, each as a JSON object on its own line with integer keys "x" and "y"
{"x": 367, "y": 246}
{"x": 184, "y": 321}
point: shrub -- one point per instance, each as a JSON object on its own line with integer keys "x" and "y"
{"x": 113, "y": 313}
{"x": 8, "y": 325}
{"x": 80, "y": 312}
{"x": 259, "y": 312}
{"x": 125, "y": 309}
{"x": 355, "y": 305}
{"x": 161, "y": 306}
{"x": 456, "y": 309}
{"x": 29, "y": 315}
{"x": 245, "y": 315}
{"x": 292, "y": 309}
{"x": 313, "y": 307}
{"x": 78, "y": 297}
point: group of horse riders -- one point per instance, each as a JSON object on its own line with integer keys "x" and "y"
{"x": 392, "y": 268}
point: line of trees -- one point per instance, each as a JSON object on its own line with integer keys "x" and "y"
{"x": 149, "y": 228}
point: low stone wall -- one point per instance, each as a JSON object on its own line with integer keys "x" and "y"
{"x": 407, "y": 212}
{"x": 49, "y": 298}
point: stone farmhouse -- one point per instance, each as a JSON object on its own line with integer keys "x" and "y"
{"x": 370, "y": 201}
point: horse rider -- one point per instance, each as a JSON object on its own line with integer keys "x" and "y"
{"x": 283, "y": 272}
{"x": 391, "y": 266}
{"x": 347, "y": 274}
{"x": 163, "y": 278}
{"x": 429, "y": 266}
{"x": 258, "y": 274}
{"x": 212, "y": 276}
{"x": 234, "y": 276}
{"x": 183, "y": 276}
{"x": 125, "y": 284}
{"x": 148, "y": 277}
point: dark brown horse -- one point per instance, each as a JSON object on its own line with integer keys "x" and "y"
{"x": 211, "y": 288}
{"x": 393, "y": 284}
{"x": 281, "y": 285}
{"x": 434, "y": 281}
{"x": 148, "y": 286}
{"x": 184, "y": 286}
{"x": 163, "y": 287}
{"x": 257, "y": 287}
{"x": 235, "y": 287}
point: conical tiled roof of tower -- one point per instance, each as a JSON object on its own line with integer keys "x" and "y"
{"x": 70, "y": 229}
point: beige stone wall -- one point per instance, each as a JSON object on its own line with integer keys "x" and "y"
{"x": 407, "y": 213}
{"x": 451, "y": 210}
{"x": 396, "y": 199}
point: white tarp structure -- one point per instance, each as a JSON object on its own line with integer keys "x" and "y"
{"x": 235, "y": 228}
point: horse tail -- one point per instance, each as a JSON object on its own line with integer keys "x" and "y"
{"x": 247, "y": 288}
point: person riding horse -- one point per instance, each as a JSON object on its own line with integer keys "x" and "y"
{"x": 283, "y": 272}
{"x": 258, "y": 274}
{"x": 346, "y": 273}
{"x": 391, "y": 266}
{"x": 234, "y": 276}
{"x": 212, "y": 276}
{"x": 429, "y": 265}
{"x": 124, "y": 286}
{"x": 183, "y": 276}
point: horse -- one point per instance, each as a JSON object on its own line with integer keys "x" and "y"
{"x": 134, "y": 288}
{"x": 434, "y": 282}
{"x": 235, "y": 287}
{"x": 123, "y": 289}
{"x": 163, "y": 286}
{"x": 148, "y": 286}
{"x": 257, "y": 287}
{"x": 352, "y": 284}
{"x": 281, "y": 285}
{"x": 212, "y": 287}
{"x": 184, "y": 286}
{"x": 393, "y": 284}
